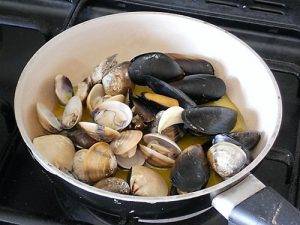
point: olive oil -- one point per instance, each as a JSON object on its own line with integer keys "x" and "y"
{"x": 183, "y": 143}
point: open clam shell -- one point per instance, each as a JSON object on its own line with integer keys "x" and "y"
{"x": 47, "y": 119}
{"x": 83, "y": 88}
{"x": 95, "y": 97}
{"x": 95, "y": 163}
{"x": 57, "y": 149}
{"x": 113, "y": 114}
{"x": 146, "y": 182}
{"x": 137, "y": 159}
{"x": 99, "y": 132}
{"x": 170, "y": 117}
{"x": 126, "y": 144}
{"x": 117, "y": 80}
{"x": 103, "y": 68}
{"x": 72, "y": 113}
{"x": 63, "y": 89}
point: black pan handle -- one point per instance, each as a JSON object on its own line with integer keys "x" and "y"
{"x": 251, "y": 203}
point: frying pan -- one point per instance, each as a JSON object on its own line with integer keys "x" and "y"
{"x": 242, "y": 199}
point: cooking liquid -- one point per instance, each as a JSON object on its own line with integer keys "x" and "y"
{"x": 183, "y": 143}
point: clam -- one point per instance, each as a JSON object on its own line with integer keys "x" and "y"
{"x": 119, "y": 98}
{"x": 72, "y": 113}
{"x": 95, "y": 97}
{"x": 126, "y": 144}
{"x": 103, "y": 68}
{"x": 63, "y": 89}
{"x": 191, "y": 170}
{"x": 170, "y": 117}
{"x": 154, "y": 64}
{"x": 192, "y": 65}
{"x": 160, "y": 100}
{"x": 99, "y": 132}
{"x": 79, "y": 138}
{"x": 113, "y": 184}
{"x": 56, "y": 149}
{"x": 47, "y": 119}
{"x": 210, "y": 120}
{"x": 146, "y": 182}
{"x": 163, "y": 88}
{"x": 145, "y": 111}
{"x": 95, "y": 163}
{"x": 227, "y": 159}
{"x": 246, "y": 140}
{"x": 137, "y": 159}
{"x": 174, "y": 132}
{"x": 117, "y": 80}
{"x": 202, "y": 87}
{"x": 160, "y": 150}
{"x": 83, "y": 89}
{"x": 113, "y": 114}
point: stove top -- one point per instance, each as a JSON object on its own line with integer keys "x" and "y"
{"x": 28, "y": 196}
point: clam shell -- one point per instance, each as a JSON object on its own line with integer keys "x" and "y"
{"x": 113, "y": 114}
{"x": 82, "y": 90}
{"x": 95, "y": 97}
{"x": 117, "y": 80}
{"x": 137, "y": 159}
{"x": 226, "y": 159}
{"x": 79, "y": 138}
{"x": 56, "y": 149}
{"x": 170, "y": 117}
{"x": 146, "y": 182}
{"x": 72, "y": 113}
{"x": 191, "y": 170}
{"x": 103, "y": 68}
{"x": 95, "y": 163}
{"x": 47, "y": 119}
{"x": 155, "y": 64}
{"x": 210, "y": 120}
{"x": 155, "y": 158}
{"x": 126, "y": 142}
{"x": 99, "y": 132}
{"x": 63, "y": 89}
{"x": 114, "y": 184}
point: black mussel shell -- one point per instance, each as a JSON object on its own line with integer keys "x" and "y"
{"x": 144, "y": 109}
{"x": 79, "y": 138}
{"x": 163, "y": 88}
{"x": 247, "y": 140}
{"x": 154, "y": 64}
{"x": 192, "y": 66}
{"x": 202, "y": 87}
{"x": 210, "y": 120}
{"x": 191, "y": 170}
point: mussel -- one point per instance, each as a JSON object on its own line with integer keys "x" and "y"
{"x": 113, "y": 114}
{"x": 227, "y": 159}
{"x": 126, "y": 144}
{"x": 145, "y": 111}
{"x": 114, "y": 184}
{"x": 127, "y": 163}
{"x": 159, "y": 151}
{"x": 117, "y": 80}
{"x": 103, "y": 68}
{"x": 99, "y": 132}
{"x": 56, "y": 149}
{"x": 192, "y": 65}
{"x": 163, "y": 88}
{"x": 155, "y": 64}
{"x": 79, "y": 138}
{"x": 95, "y": 163}
{"x": 63, "y": 89}
{"x": 47, "y": 119}
{"x": 72, "y": 113}
{"x": 160, "y": 100}
{"x": 191, "y": 170}
{"x": 202, "y": 87}
{"x": 210, "y": 120}
{"x": 247, "y": 139}
{"x": 137, "y": 123}
{"x": 146, "y": 182}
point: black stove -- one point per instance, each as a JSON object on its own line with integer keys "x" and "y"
{"x": 271, "y": 27}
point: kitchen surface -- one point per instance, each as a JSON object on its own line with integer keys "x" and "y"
{"x": 29, "y": 196}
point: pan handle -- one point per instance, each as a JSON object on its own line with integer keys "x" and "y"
{"x": 250, "y": 202}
